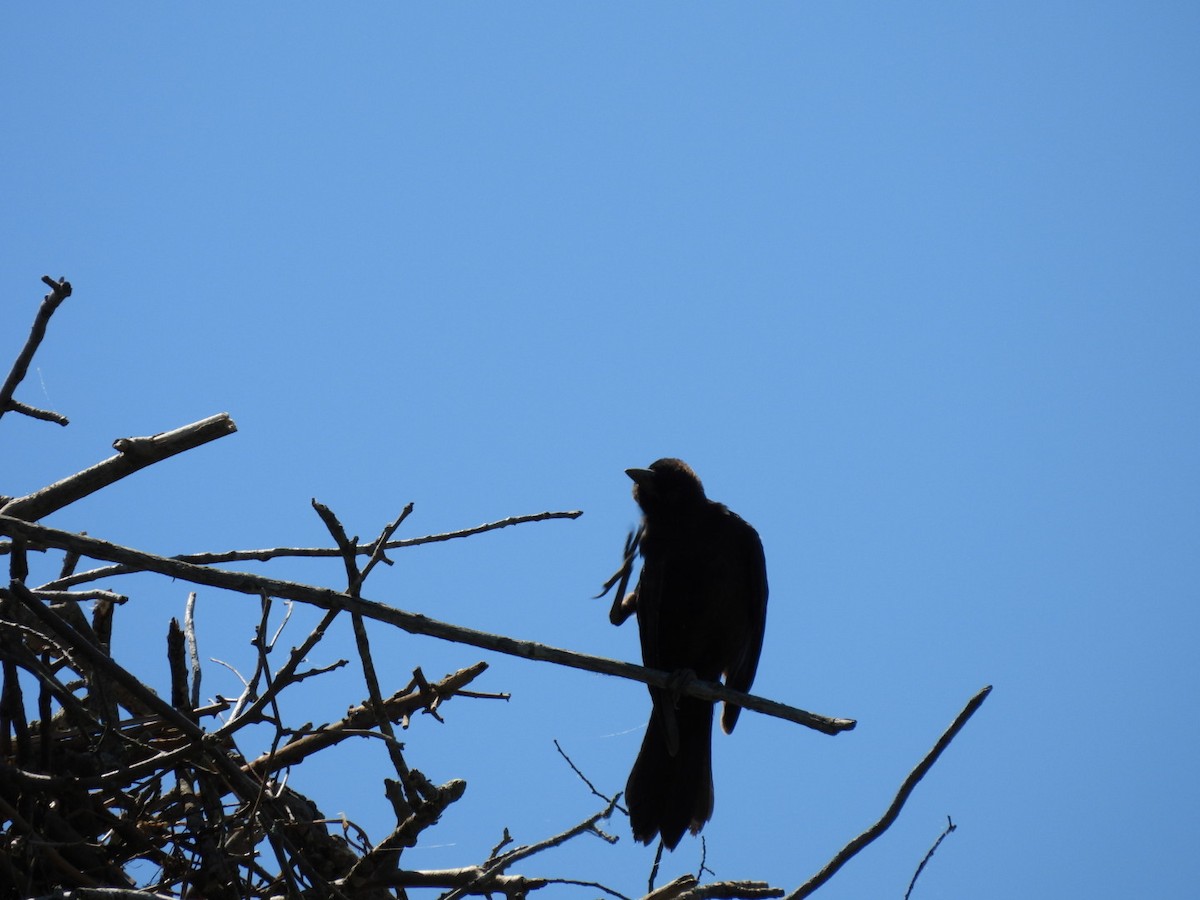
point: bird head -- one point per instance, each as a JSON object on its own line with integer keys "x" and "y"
{"x": 668, "y": 484}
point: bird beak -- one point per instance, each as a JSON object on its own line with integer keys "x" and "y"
{"x": 640, "y": 476}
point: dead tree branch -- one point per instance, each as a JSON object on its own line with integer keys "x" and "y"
{"x": 133, "y": 454}
{"x": 269, "y": 553}
{"x": 414, "y": 623}
{"x": 688, "y": 887}
{"x": 399, "y": 706}
{"x": 950, "y": 826}
{"x": 906, "y": 788}
{"x": 494, "y": 868}
{"x": 59, "y": 291}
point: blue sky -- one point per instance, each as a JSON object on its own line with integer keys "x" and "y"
{"x": 913, "y": 287}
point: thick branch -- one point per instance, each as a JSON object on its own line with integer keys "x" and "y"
{"x": 133, "y": 454}
{"x": 257, "y": 585}
{"x": 893, "y": 811}
{"x": 59, "y": 291}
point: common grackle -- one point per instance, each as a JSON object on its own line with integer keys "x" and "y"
{"x": 701, "y": 604}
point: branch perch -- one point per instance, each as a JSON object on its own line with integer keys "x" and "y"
{"x": 324, "y": 598}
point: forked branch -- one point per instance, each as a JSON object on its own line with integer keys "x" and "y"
{"x": 906, "y": 788}
{"x": 59, "y": 291}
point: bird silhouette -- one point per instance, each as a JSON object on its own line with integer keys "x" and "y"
{"x": 701, "y": 605}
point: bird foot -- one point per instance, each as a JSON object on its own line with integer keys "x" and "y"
{"x": 679, "y": 680}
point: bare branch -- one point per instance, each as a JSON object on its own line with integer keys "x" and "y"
{"x": 496, "y": 868}
{"x": 286, "y": 675}
{"x": 893, "y": 811}
{"x": 189, "y": 627}
{"x": 950, "y": 826}
{"x": 584, "y": 778}
{"x": 363, "y": 717}
{"x": 687, "y": 887}
{"x": 133, "y": 454}
{"x": 378, "y": 554}
{"x": 480, "y": 529}
{"x": 257, "y": 585}
{"x": 269, "y": 553}
{"x": 34, "y": 412}
{"x": 79, "y": 596}
{"x": 59, "y": 291}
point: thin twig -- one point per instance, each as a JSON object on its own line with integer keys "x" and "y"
{"x": 378, "y": 553}
{"x": 893, "y": 811}
{"x": 268, "y": 553}
{"x": 950, "y": 826}
{"x": 584, "y": 778}
{"x": 414, "y": 623}
{"x": 496, "y": 868}
{"x": 283, "y": 677}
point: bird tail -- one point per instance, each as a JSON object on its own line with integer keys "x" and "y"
{"x": 671, "y": 794}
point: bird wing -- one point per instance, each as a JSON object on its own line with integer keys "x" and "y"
{"x": 648, "y": 604}
{"x": 649, "y": 593}
{"x": 751, "y": 587}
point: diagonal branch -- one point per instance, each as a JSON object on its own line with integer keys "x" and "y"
{"x": 893, "y": 811}
{"x": 364, "y": 717}
{"x": 324, "y": 598}
{"x": 133, "y": 454}
{"x": 950, "y": 827}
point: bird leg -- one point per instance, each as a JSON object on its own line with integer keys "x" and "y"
{"x": 678, "y": 680}
{"x": 623, "y": 608}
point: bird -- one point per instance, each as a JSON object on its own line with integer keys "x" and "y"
{"x": 701, "y": 606}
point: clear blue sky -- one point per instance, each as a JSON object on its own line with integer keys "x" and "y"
{"x": 914, "y": 287}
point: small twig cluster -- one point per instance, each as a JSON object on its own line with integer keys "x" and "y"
{"x": 102, "y": 777}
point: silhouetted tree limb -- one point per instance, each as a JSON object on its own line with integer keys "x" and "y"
{"x": 269, "y": 553}
{"x": 950, "y": 826}
{"x": 414, "y": 623}
{"x": 59, "y": 291}
{"x": 361, "y": 718}
{"x": 688, "y": 887}
{"x": 889, "y": 816}
{"x": 133, "y": 454}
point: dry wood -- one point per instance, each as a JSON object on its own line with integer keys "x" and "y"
{"x": 133, "y": 454}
